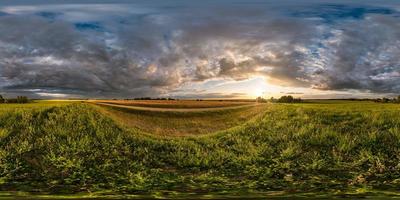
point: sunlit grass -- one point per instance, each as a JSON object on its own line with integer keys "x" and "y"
{"x": 182, "y": 123}
{"x": 35, "y": 104}
{"x": 178, "y": 104}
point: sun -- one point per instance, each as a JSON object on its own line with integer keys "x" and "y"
{"x": 254, "y": 87}
{"x": 258, "y": 91}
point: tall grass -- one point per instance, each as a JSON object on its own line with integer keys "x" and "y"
{"x": 317, "y": 148}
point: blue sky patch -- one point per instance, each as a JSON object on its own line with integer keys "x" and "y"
{"x": 85, "y": 26}
{"x": 48, "y": 15}
{"x": 331, "y": 13}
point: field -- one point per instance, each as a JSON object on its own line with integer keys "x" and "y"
{"x": 51, "y": 149}
{"x": 178, "y": 104}
{"x": 183, "y": 118}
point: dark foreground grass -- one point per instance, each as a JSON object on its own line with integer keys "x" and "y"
{"x": 318, "y": 150}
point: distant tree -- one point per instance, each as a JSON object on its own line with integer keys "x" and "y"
{"x": 11, "y": 100}
{"x": 22, "y": 99}
{"x": 142, "y": 98}
{"x": 272, "y": 99}
{"x": 297, "y": 100}
{"x": 19, "y": 99}
{"x": 289, "y": 99}
{"x": 2, "y": 100}
{"x": 285, "y": 99}
{"x": 388, "y": 100}
{"x": 385, "y": 100}
{"x": 260, "y": 100}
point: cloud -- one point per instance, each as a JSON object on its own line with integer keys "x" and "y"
{"x": 124, "y": 50}
{"x": 364, "y": 55}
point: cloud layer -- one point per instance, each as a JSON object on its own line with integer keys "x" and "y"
{"x": 128, "y": 50}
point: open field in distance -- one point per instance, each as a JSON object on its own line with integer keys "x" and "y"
{"x": 178, "y": 104}
{"x": 196, "y": 120}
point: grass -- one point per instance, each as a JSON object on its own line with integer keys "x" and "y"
{"x": 344, "y": 149}
{"x": 37, "y": 104}
{"x": 182, "y": 123}
{"x": 178, "y": 103}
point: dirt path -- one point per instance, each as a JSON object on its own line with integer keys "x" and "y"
{"x": 175, "y": 109}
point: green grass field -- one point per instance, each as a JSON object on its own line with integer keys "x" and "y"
{"x": 182, "y": 123}
{"x": 51, "y": 149}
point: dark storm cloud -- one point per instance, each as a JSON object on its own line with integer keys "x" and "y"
{"x": 150, "y": 49}
{"x": 365, "y": 57}
{"x": 57, "y": 57}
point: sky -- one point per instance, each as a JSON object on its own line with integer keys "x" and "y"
{"x": 199, "y": 49}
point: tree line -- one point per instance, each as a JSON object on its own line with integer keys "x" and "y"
{"x": 149, "y": 98}
{"x": 282, "y": 99}
{"x": 388, "y": 100}
{"x": 19, "y": 99}
{"x": 291, "y": 99}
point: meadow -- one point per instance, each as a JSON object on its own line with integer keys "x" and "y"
{"x": 312, "y": 149}
{"x": 178, "y": 103}
{"x": 197, "y": 118}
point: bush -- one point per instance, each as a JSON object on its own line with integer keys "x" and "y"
{"x": 2, "y": 100}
